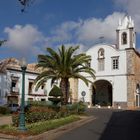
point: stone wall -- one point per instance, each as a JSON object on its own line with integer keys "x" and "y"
{"x": 74, "y": 89}
{"x": 133, "y": 75}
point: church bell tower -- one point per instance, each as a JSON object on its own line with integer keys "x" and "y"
{"x": 126, "y": 36}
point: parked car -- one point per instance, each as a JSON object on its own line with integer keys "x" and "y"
{"x": 13, "y": 107}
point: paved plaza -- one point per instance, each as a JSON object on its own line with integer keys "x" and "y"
{"x": 108, "y": 125}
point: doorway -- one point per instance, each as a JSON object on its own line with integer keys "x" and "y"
{"x": 102, "y": 93}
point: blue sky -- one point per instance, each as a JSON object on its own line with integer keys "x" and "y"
{"x": 51, "y": 23}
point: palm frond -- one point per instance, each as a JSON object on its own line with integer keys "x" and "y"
{"x": 64, "y": 64}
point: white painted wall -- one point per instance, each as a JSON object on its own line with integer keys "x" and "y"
{"x": 120, "y": 89}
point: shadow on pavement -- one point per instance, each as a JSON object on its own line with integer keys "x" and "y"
{"x": 123, "y": 125}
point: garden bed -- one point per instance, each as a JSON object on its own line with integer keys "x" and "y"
{"x": 39, "y": 127}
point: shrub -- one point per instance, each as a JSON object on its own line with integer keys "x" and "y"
{"x": 56, "y": 95}
{"x": 4, "y": 110}
{"x": 79, "y": 107}
{"x": 33, "y": 117}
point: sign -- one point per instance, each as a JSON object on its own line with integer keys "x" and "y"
{"x": 83, "y": 93}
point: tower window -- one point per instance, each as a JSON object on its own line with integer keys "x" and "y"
{"x": 124, "y": 38}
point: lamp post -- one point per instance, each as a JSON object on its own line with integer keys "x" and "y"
{"x": 22, "y": 113}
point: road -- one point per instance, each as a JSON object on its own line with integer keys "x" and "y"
{"x": 108, "y": 125}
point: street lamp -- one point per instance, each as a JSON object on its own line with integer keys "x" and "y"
{"x": 22, "y": 127}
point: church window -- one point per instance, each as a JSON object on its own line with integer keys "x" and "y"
{"x": 101, "y": 60}
{"x": 115, "y": 63}
{"x": 101, "y": 53}
{"x": 124, "y": 38}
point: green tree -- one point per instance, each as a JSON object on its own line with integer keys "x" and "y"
{"x": 63, "y": 65}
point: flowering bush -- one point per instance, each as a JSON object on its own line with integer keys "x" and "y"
{"x": 33, "y": 117}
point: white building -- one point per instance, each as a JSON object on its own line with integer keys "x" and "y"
{"x": 11, "y": 84}
{"x": 117, "y": 70}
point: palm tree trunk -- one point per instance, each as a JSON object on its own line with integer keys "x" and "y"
{"x": 64, "y": 85}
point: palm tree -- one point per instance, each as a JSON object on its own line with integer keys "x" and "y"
{"x": 63, "y": 65}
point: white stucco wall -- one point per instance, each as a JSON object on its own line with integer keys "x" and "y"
{"x": 120, "y": 89}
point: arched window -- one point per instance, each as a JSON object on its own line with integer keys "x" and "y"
{"x": 124, "y": 38}
{"x": 101, "y": 53}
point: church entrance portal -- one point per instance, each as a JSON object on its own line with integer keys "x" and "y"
{"x": 102, "y": 93}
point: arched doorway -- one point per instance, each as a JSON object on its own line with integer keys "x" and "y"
{"x": 102, "y": 93}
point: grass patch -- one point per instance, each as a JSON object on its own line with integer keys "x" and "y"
{"x": 39, "y": 127}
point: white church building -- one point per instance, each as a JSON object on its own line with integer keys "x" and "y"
{"x": 117, "y": 70}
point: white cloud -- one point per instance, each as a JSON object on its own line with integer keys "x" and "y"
{"x": 132, "y": 7}
{"x": 87, "y": 31}
{"x": 64, "y": 32}
{"x": 92, "y": 29}
{"x": 23, "y": 40}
